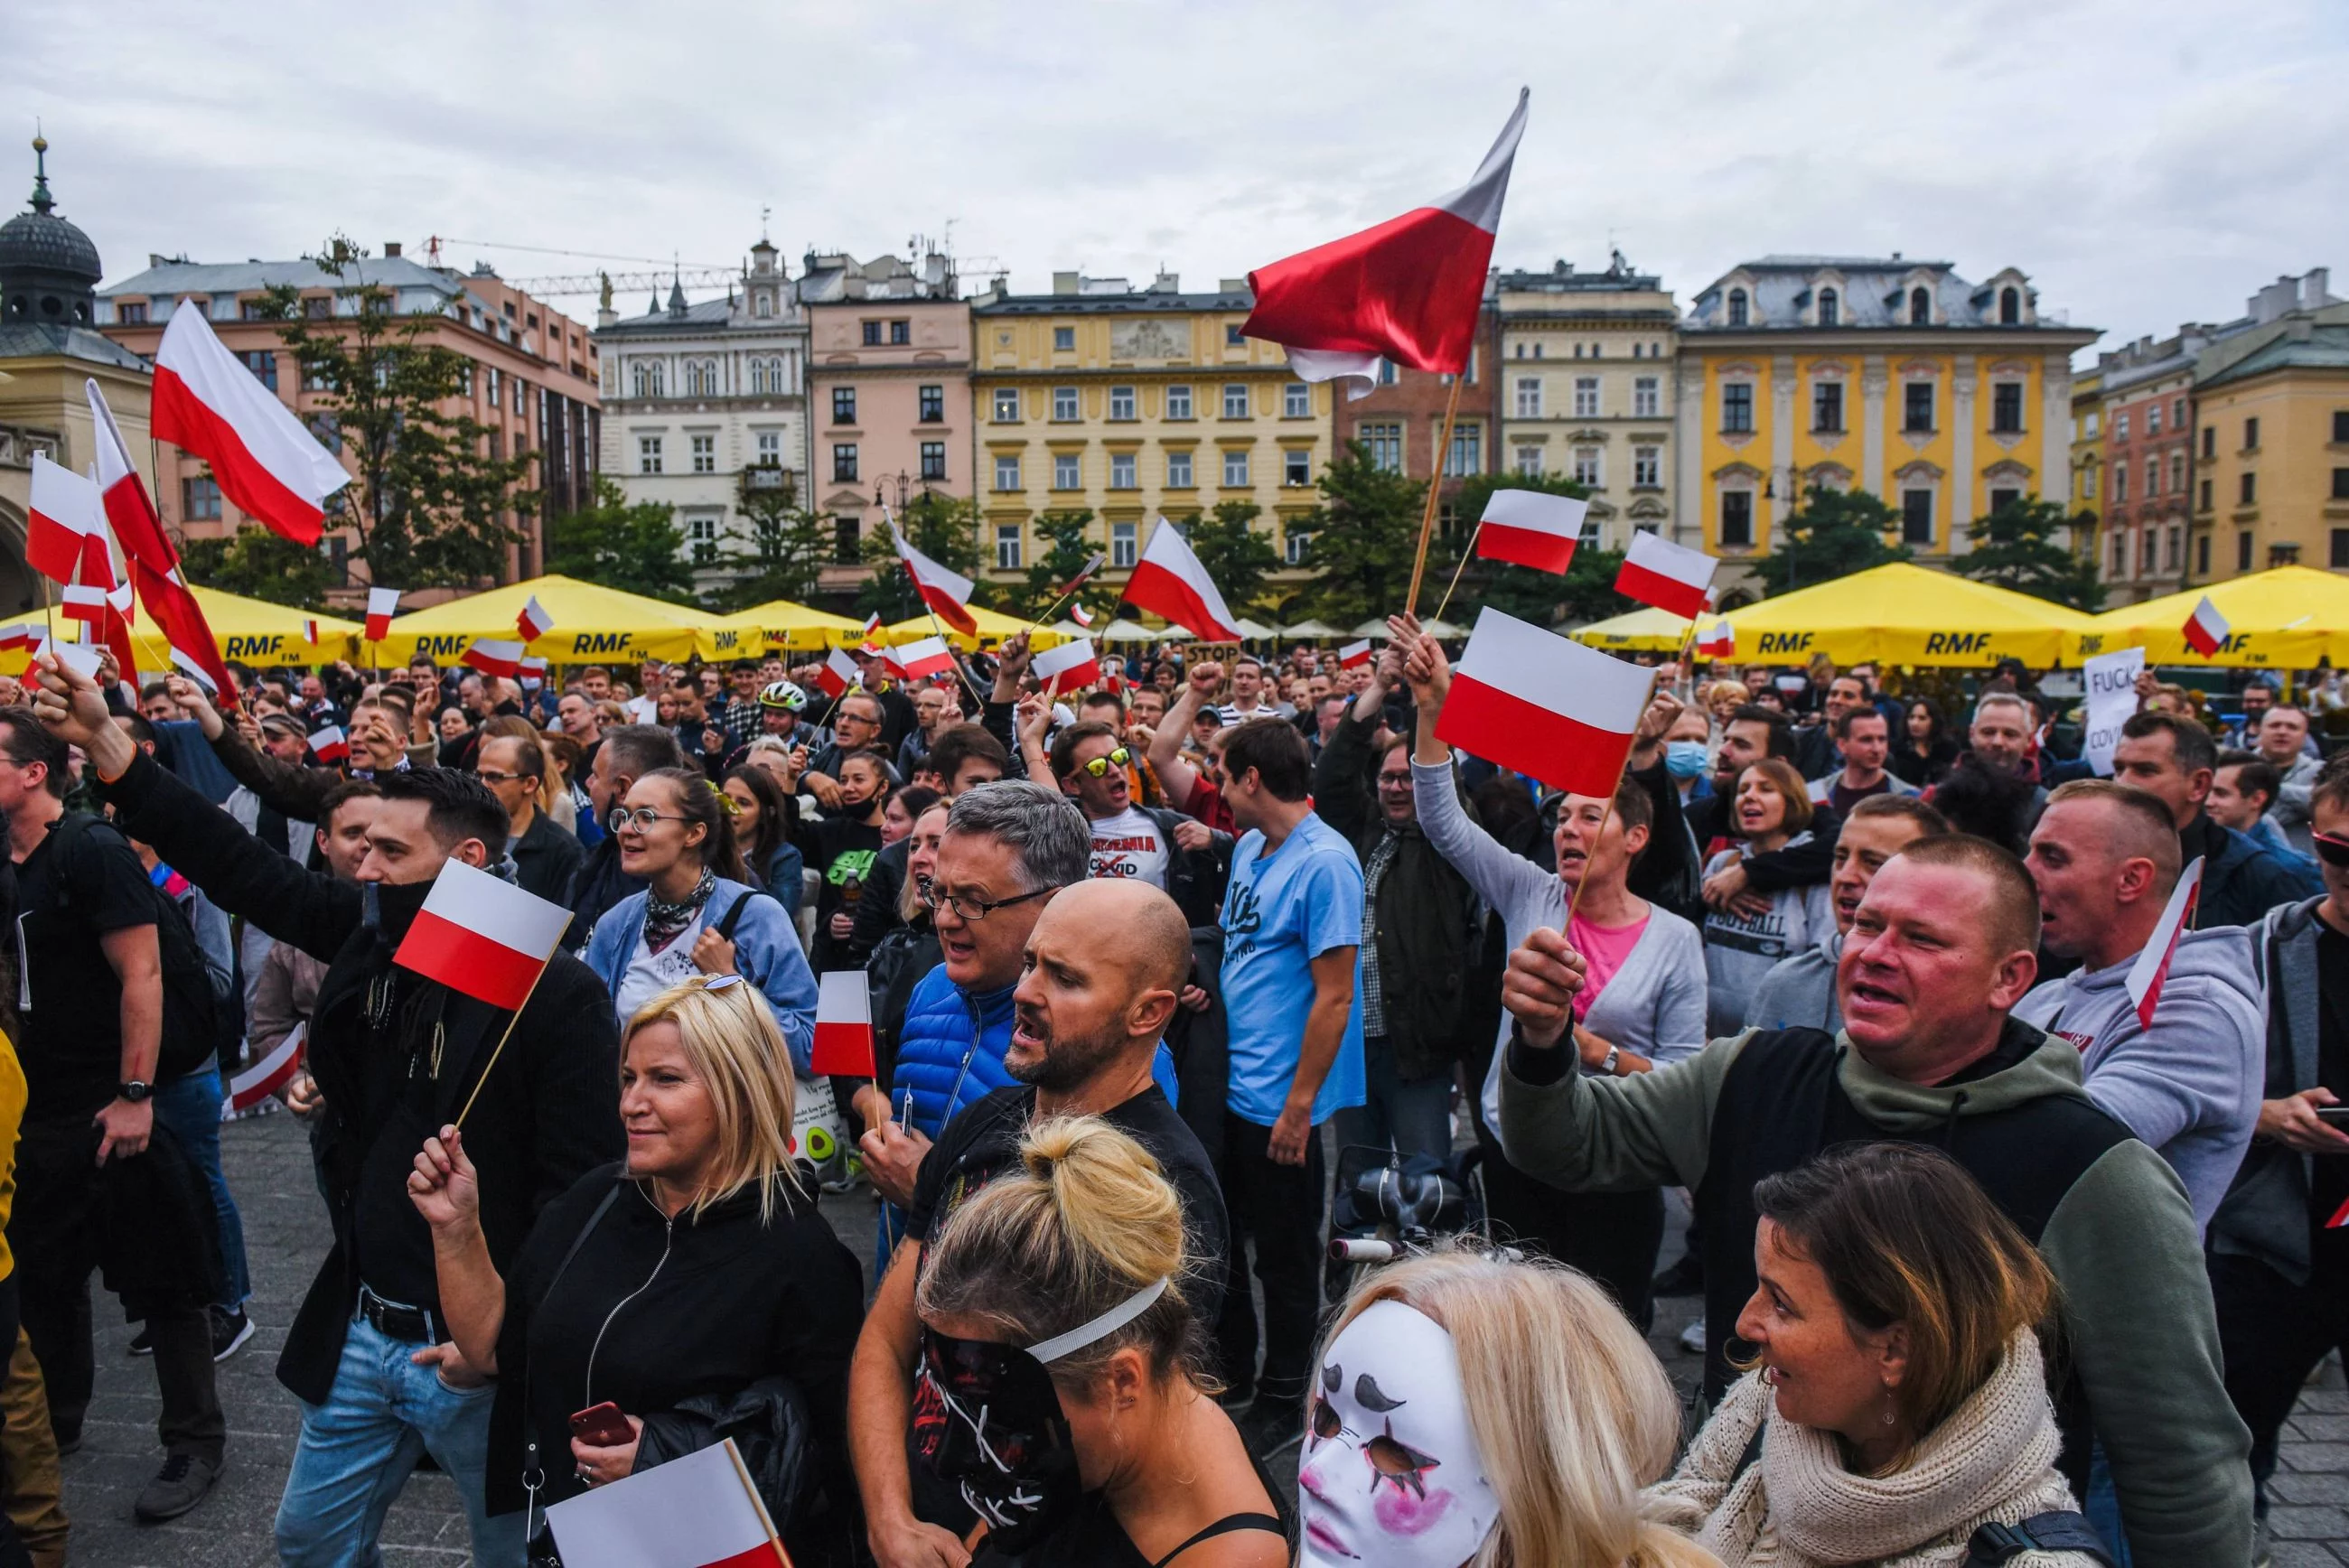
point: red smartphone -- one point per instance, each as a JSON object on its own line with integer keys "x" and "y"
{"x": 603, "y": 1426}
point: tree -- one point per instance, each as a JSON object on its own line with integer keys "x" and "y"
{"x": 261, "y": 565}
{"x": 789, "y": 546}
{"x": 1070, "y": 533}
{"x": 2015, "y": 547}
{"x": 942, "y": 528}
{"x": 1832, "y": 534}
{"x": 1362, "y": 540}
{"x": 1237, "y": 556}
{"x": 635, "y": 547}
{"x": 1584, "y": 591}
{"x": 426, "y": 501}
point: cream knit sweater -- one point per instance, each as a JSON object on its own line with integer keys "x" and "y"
{"x": 1797, "y": 1507}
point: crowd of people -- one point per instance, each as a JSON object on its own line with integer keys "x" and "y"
{"x": 1998, "y": 1260}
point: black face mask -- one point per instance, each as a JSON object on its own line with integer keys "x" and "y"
{"x": 988, "y": 1422}
{"x": 391, "y": 907}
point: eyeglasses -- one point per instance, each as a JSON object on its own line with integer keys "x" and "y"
{"x": 1394, "y": 780}
{"x": 494, "y": 777}
{"x": 976, "y": 908}
{"x": 1099, "y": 766}
{"x": 641, "y": 817}
{"x": 2333, "y": 851}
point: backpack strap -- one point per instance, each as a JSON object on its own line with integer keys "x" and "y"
{"x": 2060, "y": 1530}
{"x": 733, "y": 916}
{"x": 1753, "y": 1451}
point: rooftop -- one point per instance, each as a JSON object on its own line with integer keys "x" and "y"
{"x": 1076, "y": 295}
{"x": 1784, "y": 293}
{"x": 1561, "y": 278}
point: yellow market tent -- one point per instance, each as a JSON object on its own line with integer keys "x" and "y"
{"x": 1904, "y": 614}
{"x": 779, "y": 624}
{"x": 993, "y": 627}
{"x": 1646, "y": 630}
{"x": 592, "y": 625}
{"x": 252, "y": 632}
{"x": 2288, "y": 618}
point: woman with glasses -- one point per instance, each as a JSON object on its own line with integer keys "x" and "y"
{"x": 697, "y": 914}
{"x": 763, "y": 816}
{"x": 842, "y": 848}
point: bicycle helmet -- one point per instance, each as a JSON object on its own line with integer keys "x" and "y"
{"x": 785, "y": 695}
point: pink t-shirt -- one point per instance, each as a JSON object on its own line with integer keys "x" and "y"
{"x": 1603, "y": 950}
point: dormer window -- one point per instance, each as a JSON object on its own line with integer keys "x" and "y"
{"x": 2009, "y": 308}
{"x": 1830, "y": 308}
{"x": 1738, "y": 307}
{"x": 1921, "y": 307}
{"x": 763, "y": 304}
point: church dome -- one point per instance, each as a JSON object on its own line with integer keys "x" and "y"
{"x": 49, "y": 270}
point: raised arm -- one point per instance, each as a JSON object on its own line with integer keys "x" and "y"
{"x": 1501, "y": 879}
{"x": 1178, "y": 777}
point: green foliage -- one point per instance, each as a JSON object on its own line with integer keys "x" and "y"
{"x": 261, "y": 565}
{"x": 1584, "y": 592}
{"x": 789, "y": 546}
{"x": 1363, "y": 537}
{"x": 1071, "y": 546}
{"x": 1237, "y": 556}
{"x": 2015, "y": 547}
{"x": 636, "y": 548}
{"x": 1832, "y": 534}
{"x": 942, "y": 528}
{"x": 428, "y": 505}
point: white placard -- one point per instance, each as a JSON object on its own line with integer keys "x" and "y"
{"x": 2112, "y": 698}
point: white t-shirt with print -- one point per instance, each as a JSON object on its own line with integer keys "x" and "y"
{"x": 649, "y": 974}
{"x": 1129, "y": 847}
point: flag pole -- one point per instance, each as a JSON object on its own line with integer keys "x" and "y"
{"x": 1622, "y": 768}
{"x": 1466, "y": 552}
{"x": 757, "y": 1503}
{"x": 1435, "y": 493}
{"x": 500, "y": 1048}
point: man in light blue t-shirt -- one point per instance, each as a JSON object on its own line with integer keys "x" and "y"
{"x": 1292, "y": 926}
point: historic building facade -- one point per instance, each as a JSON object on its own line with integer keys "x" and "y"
{"x": 1400, "y": 420}
{"x": 2087, "y": 460}
{"x": 2149, "y": 402}
{"x": 1941, "y": 396}
{"x": 2271, "y": 438}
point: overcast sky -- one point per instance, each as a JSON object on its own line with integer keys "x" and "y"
{"x": 2146, "y": 162}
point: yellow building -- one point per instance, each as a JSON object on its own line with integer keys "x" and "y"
{"x": 1130, "y": 402}
{"x": 1895, "y": 377}
{"x": 2087, "y": 460}
{"x": 2271, "y": 447}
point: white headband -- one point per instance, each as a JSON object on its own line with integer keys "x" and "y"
{"x": 1101, "y": 1328}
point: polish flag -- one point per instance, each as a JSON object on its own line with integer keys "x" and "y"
{"x": 1080, "y": 616}
{"x": 493, "y": 658}
{"x": 534, "y": 672}
{"x": 872, "y": 625}
{"x": 21, "y": 635}
{"x": 1542, "y": 705}
{"x": 271, "y": 1073}
{"x": 1354, "y": 655}
{"x": 210, "y": 406}
{"x": 915, "y": 661}
{"x": 383, "y": 604}
{"x": 195, "y": 672}
{"x": 1168, "y": 580}
{"x": 1672, "y": 577}
{"x": 1718, "y": 641}
{"x": 2152, "y": 966}
{"x": 534, "y": 623}
{"x": 82, "y": 657}
{"x": 482, "y": 936}
{"x": 2206, "y": 629}
{"x": 697, "y": 1511}
{"x": 1531, "y": 527}
{"x": 66, "y": 522}
{"x": 330, "y": 745}
{"x": 944, "y": 592}
{"x": 840, "y": 672}
{"x": 1075, "y": 662}
{"x": 843, "y": 1025}
{"x": 154, "y": 563}
{"x": 82, "y": 601}
{"x": 1072, "y": 584}
{"x": 1408, "y": 290}
{"x": 310, "y": 633}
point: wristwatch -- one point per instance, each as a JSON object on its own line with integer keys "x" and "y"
{"x": 1607, "y": 1063}
{"x": 135, "y": 1091}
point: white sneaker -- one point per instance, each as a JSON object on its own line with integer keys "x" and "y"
{"x": 1692, "y": 1337}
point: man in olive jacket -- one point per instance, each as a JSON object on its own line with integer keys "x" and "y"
{"x": 1941, "y": 950}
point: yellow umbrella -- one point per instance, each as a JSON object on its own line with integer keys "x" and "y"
{"x": 1647, "y": 630}
{"x": 2288, "y": 618}
{"x": 993, "y": 627}
{"x": 252, "y": 632}
{"x": 780, "y": 624}
{"x": 1904, "y": 614}
{"x": 591, "y": 624}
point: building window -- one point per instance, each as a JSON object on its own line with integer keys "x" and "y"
{"x": 1236, "y": 400}
{"x": 648, "y": 454}
{"x": 1385, "y": 445}
{"x": 933, "y": 405}
{"x": 844, "y": 460}
{"x": 2088, "y": 482}
{"x": 2006, "y": 407}
{"x": 2173, "y": 548}
{"x": 1235, "y": 467}
{"x": 2210, "y": 438}
{"x": 1917, "y": 517}
{"x": 1006, "y": 547}
{"x": 2177, "y": 473}
{"x": 1064, "y": 340}
{"x": 1585, "y": 397}
{"x": 1297, "y": 401}
{"x": 1296, "y": 466}
{"x": 1647, "y": 467}
{"x": 2340, "y": 548}
{"x": 2250, "y": 435}
{"x": 2120, "y": 483}
{"x": 2009, "y": 308}
{"x": 644, "y": 378}
{"x": 1233, "y": 336}
{"x": 1529, "y": 399}
{"x": 845, "y": 540}
{"x": 2153, "y": 418}
{"x": 2243, "y": 550}
{"x": 934, "y": 459}
{"x": 1068, "y": 471}
{"x": 2000, "y": 500}
{"x": 1646, "y": 401}
{"x": 901, "y": 333}
{"x": 1467, "y": 455}
{"x": 1827, "y": 407}
{"x": 1121, "y": 402}
{"x": 491, "y": 382}
{"x": 2120, "y": 556}
{"x": 844, "y": 405}
{"x": 871, "y": 334}
{"x": 2341, "y": 484}
{"x": 2202, "y": 555}
{"x": 1587, "y": 471}
{"x": 131, "y": 313}
{"x": 1122, "y": 475}
{"x": 1298, "y": 541}
{"x": 771, "y": 447}
{"x": 1591, "y": 536}
{"x": 1830, "y": 308}
{"x": 1178, "y": 402}
{"x": 1737, "y": 408}
{"x": 1738, "y": 307}
{"x": 1007, "y": 405}
{"x": 1529, "y": 462}
{"x": 316, "y": 307}
{"x": 199, "y": 500}
{"x": 2340, "y": 433}
{"x": 1737, "y": 518}
{"x": 1178, "y": 471}
{"x": 2121, "y": 425}
{"x": 263, "y": 363}
{"x": 705, "y": 453}
{"x": 1921, "y": 307}
{"x": 1064, "y": 403}
{"x": 2089, "y": 431}
{"x": 1918, "y": 407}
{"x": 2205, "y": 497}
{"x": 1121, "y": 543}
{"x": 2250, "y": 490}
{"x": 1007, "y": 471}
{"x": 2152, "y": 477}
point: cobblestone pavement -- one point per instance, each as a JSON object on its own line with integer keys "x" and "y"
{"x": 268, "y": 1163}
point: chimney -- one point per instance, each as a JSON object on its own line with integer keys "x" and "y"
{"x": 390, "y": 249}
{"x": 2315, "y": 288}
{"x": 1065, "y": 283}
{"x": 1166, "y": 283}
{"x": 1231, "y": 285}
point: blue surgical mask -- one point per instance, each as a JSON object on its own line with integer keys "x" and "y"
{"x": 1686, "y": 759}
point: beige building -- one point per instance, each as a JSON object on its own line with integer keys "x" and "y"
{"x": 2271, "y": 447}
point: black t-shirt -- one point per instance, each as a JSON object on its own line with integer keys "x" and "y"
{"x": 2328, "y": 1184}
{"x": 836, "y": 849}
{"x": 71, "y": 1039}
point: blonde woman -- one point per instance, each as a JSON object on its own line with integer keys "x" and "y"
{"x": 1469, "y": 1412}
{"x": 692, "y": 1289}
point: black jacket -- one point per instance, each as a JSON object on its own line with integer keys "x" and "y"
{"x": 1671, "y": 870}
{"x": 598, "y": 885}
{"x": 2241, "y": 879}
{"x": 546, "y": 860}
{"x": 549, "y": 1114}
{"x": 1195, "y": 878}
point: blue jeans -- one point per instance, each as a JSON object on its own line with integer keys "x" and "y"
{"x": 1411, "y": 1115}
{"x": 191, "y": 1107}
{"x": 357, "y": 1449}
{"x": 2103, "y": 1506}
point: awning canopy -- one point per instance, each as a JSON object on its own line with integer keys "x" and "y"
{"x": 1311, "y": 632}
{"x": 2291, "y": 617}
{"x": 1646, "y": 630}
{"x": 1125, "y": 631}
{"x": 250, "y": 632}
{"x": 780, "y": 624}
{"x": 1905, "y": 615}
{"x": 994, "y": 628}
{"x": 592, "y": 625}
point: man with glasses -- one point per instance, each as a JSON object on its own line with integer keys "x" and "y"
{"x": 1161, "y": 849}
{"x": 546, "y": 858}
{"x": 857, "y": 721}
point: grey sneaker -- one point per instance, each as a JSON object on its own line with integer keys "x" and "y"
{"x": 179, "y": 1486}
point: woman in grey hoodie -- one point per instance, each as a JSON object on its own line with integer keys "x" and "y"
{"x": 1771, "y": 811}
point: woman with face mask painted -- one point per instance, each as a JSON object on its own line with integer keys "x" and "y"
{"x": 1060, "y": 1388}
{"x": 1472, "y": 1411}
{"x": 1897, "y": 1407}
{"x": 841, "y": 848}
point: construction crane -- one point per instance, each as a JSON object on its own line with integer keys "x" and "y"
{"x": 701, "y": 275}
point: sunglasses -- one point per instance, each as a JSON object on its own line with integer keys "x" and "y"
{"x": 1099, "y": 766}
{"x": 2333, "y": 851}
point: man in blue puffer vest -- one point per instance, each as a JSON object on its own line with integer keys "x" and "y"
{"x": 1008, "y": 848}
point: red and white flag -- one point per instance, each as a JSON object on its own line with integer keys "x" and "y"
{"x": 840, "y": 672}
{"x": 1672, "y": 577}
{"x": 946, "y": 592}
{"x": 310, "y": 633}
{"x": 65, "y": 523}
{"x": 271, "y": 1073}
{"x": 1168, "y": 580}
{"x": 534, "y": 623}
{"x": 918, "y": 661}
{"x": 82, "y": 657}
{"x": 482, "y": 936}
{"x": 330, "y": 745}
{"x": 1531, "y": 527}
{"x": 493, "y": 658}
{"x": 195, "y": 672}
{"x": 1354, "y": 655}
{"x": 871, "y": 625}
{"x": 154, "y": 563}
{"x": 81, "y": 602}
{"x": 1080, "y": 616}
{"x": 1408, "y": 290}
{"x": 1073, "y": 661}
{"x": 843, "y": 1025}
{"x": 20, "y": 635}
{"x": 1082, "y": 578}
{"x": 209, "y": 404}
{"x": 1718, "y": 641}
{"x": 2152, "y": 966}
{"x": 2206, "y": 629}
{"x": 383, "y": 604}
{"x": 697, "y": 1511}
{"x": 1536, "y": 702}
{"x": 534, "y": 672}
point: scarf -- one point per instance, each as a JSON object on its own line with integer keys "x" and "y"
{"x": 665, "y": 922}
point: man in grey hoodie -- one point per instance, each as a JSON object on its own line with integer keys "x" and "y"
{"x": 2105, "y": 858}
{"x": 1799, "y": 992}
{"x": 1941, "y": 949}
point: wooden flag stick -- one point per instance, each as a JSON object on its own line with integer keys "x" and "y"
{"x": 743, "y": 1472}
{"x": 955, "y": 655}
{"x": 1445, "y": 602}
{"x": 500, "y": 1048}
{"x": 1434, "y": 494}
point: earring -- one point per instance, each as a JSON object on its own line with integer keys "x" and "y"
{"x": 1888, "y": 1407}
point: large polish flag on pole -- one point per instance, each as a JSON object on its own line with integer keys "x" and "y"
{"x": 154, "y": 563}
{"x": 1408, "y": 290}
{"x": 944, "y": 590}
{"x": 1536, "y": 702}
{"x": 208, "y": 404}
{"x": 1672, "y": 577}
{"x": 1075, "y": 662}
{"x": 843, "y": 1026}
{"x": 697, "y": 1511}
{"x": 1168, "y": 580}
{"x": 481, "y": 936}
{"x": 1531, "y": 527}
{"x": 2146, "y": 975}
{"x": 66, "y": 524}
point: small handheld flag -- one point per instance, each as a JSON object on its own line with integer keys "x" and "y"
{"x": 330, "y": 745}
{"x": 1718, "y": 641}
{"x": 2146, "y": 975}
{"x": 271, "y": 1073}
{"x": 2206, "y": 630}
{"x": 383, "y": 604}
{"x": 919, "y": 660}
{"x": 493, "y": 658}
{"x": 1672, "y": 577}
{"x": 1082, "y": 577}
{"x": 696, "y": 1511}
{"x": 843, "y": 1025}
{"x": 1354, "y": 655}
{"x": 1080, "y": 616}
{"x": 482, "y": 936}
{"x": 534, "y": 622}
{"x": 1169, "y": 581}
{"x": 1545, "y": 706}
{"x": 1531, "y": 527}
{"x": 946, "y": 592}
{"x": 839, "y": 672}
{"x": 1075, "y": 662}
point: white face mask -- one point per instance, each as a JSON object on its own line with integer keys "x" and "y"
{"x": 1390, "y": 1474}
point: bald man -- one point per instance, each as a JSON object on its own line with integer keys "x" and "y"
{"x": 1088, "y": 1018}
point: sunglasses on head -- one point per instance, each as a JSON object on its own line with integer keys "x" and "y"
{"x": 2333, "y": 850}
{"x": 1099, "y": 766}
